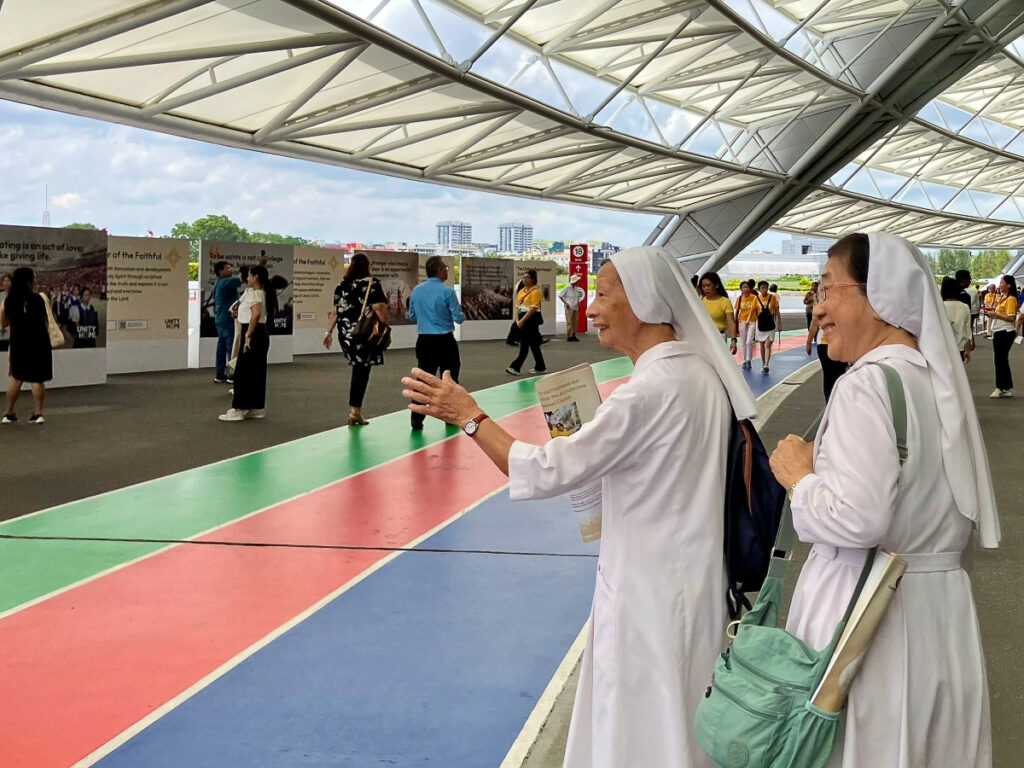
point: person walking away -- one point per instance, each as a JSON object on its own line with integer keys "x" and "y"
{"x": 1002, "y": 316}
{"x": 84, "y": 321}
{"x": 529, "y": 320}
{"x": 716, "y": 303}
{"x": 920, "y": 699}
{"x": 746, "y": 318}
{"x": 831, "y": 369}
{"x": 225, "y": 294}
{"x": 810, "y": 299}
{"x": 358, "y": 291}
{"x": 958, "y": 312}
{"x": 571, "y": 296}
{"x": 658, "y": 613}
{"x": 769, "y": 321}
{"x": 435, "y": 309}
{"x": 258, "y": 305}
{"x": 968, "y": 295}
{"x": 30, "y": 356}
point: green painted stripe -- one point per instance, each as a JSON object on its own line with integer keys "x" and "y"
{"x": 188, "y": 503}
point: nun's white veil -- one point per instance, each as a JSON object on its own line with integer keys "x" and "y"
{"x": 902, "y": 290}
{"x": 659, "y": 292}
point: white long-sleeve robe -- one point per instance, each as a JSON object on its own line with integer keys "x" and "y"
{"x": 921, "y": 698}
{"x": 658, "y": 618}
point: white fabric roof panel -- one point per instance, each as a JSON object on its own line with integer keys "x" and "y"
{"x": 667, "y": 106}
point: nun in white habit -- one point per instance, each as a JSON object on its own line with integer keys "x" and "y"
{"x": 921, "y": 698}
{"x": 658, "y": 443}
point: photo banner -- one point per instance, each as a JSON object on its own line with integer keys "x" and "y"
{"x": 70, "y": 267}
{"x": 317, "y": 273}
{"x": 398, "y": 274}
{"x": 487, "y": 286}
{"x": 547, "y": 277}
{"x": 147, "y": 289}
{"x": 279, "y": 261}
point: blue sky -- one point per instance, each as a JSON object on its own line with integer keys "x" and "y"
{"x": 130, "y": 181}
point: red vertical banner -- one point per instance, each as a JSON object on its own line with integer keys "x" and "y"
{"x": 579, "y": 264}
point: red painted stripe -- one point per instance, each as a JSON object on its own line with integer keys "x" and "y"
{"x": 80, "y": 668}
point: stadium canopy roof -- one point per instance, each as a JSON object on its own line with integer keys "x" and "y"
{"x": 726, "y": 116}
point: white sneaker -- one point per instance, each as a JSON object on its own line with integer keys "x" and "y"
{"x": 256, "y": 413}
{"x": 233, "y": 414}
{"x": 997, "y": 393}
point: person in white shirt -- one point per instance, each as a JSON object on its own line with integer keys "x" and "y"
{"x": 571, "y": 296}
{"x": 959, "y": 315}
{"x": 920, "y": 699}
{"x": 658, "y": 443}
{"x": 258, "y": 304}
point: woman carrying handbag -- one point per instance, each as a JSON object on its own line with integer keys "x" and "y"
{"x": 359, "y": 295}
{"x": 33, "y": 335}
{"x": 529, "y": 321}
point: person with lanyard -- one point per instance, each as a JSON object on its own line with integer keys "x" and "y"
{"x": 920, "y": 698}
{"x": 571, "y": 296}
{"x": 746, "y": 318}
{"x": 719, "y": 308}
{"x": 658, "y": 612}
{"x": 529, "y": 321}
{"x": 435, "y": 309}
{"x": 1003, "y": 317}
{"x": 769, "y": 321}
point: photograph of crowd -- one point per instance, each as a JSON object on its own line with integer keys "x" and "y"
{"x": 487, "y": 286}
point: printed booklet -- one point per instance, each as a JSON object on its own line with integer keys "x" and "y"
{"x": 569, "y": 400}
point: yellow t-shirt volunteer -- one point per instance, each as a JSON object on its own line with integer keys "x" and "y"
{"x": 719, "y": 309}
{"x": 746, "y": 308}
{"x": 1007, "y": 306}
{"x": 528, "y": 297}
{"x": 771, "y": 304}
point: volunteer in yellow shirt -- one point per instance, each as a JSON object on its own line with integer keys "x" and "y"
{"x": 746, "y": 319}
{"x": 529, "y": 320}
{"x": 769, "y": 321}
{"x": 1003, "y": 317}
{"x": 716, "y": 302}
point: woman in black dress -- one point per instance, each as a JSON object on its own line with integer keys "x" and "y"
{"x": 30, "y": 353}
{"x": 356, "y": 290}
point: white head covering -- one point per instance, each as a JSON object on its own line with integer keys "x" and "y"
{"x": 901, "y": 289}
{"x": 659, "y": 292}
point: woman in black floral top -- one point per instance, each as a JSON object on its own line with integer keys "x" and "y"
{"x": 348, "y": 305}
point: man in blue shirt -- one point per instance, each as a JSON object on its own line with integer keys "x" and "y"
{"x": 435, "y": 309}
{"x": 225, "y": 294}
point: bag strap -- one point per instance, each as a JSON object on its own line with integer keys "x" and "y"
{"x": 787, "y": 534}
{"x": 366, "y": 298}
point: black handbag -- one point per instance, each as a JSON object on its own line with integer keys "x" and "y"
{"x": 371, "y": 333}
{"x": 765, "y": 319}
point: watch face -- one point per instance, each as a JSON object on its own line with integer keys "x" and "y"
{"x": 471, "y": 427}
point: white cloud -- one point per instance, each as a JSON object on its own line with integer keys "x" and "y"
{"x": 67, "y": 201}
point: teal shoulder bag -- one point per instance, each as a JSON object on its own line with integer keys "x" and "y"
{"x": 757, "y": 712}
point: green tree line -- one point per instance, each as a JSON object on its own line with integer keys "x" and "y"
{"x": 983, "y": 264}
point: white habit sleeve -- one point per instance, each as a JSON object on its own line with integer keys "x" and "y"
{"x": 848, "y": 500}
{"x": 611, "y": 440}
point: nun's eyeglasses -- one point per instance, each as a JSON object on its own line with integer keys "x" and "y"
{"x": 824, "y": 289}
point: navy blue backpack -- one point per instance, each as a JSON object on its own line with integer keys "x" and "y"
{"x": 753, "y": 508}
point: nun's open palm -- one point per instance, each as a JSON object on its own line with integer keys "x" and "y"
{"x": 441, "y": 398}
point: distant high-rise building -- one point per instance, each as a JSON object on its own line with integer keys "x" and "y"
{"x": 451, "y": 233}
{"x": 600, "y": 254}
{"x": 799, "y": 245}
{"x": 515, "y": 237}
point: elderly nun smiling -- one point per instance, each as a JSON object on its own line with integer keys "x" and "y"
{"x": 658, "y": 443}
{"x": 920, "y": 699}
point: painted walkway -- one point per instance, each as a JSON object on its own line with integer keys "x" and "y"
{"x": 354, "y": 598}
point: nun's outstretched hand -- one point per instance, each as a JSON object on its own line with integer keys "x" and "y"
{"x": 441, "y": 398}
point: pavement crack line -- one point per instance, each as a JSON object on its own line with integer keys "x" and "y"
{"x": 343, "y": 547}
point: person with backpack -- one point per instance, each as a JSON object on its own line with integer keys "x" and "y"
{"x": 769, "y": 321}
{"x": 920, "y": 697}
{"x": 659, "y": 443}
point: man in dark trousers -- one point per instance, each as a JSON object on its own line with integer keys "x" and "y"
{"x": 435, "y": 309}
